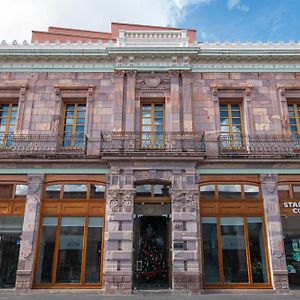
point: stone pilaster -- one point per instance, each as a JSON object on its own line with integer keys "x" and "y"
{"x": 278, "y": 265}
{"x": 117, "y": 272}
{"x": 30, "y": 232}
{"x": 185, "y": 234}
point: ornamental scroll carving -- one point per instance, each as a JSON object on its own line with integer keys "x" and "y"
{"x": 152, "y": 81}
{"x": 120, "y": 201}
{"x": 184, "y": 201}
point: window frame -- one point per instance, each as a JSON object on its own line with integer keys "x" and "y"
{"x": 75, "y": 103}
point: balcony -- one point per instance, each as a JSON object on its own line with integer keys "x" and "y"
{"x": 42, "y": 146}
{"x": 259, "y": 146}
{"x": 137, "y": 144}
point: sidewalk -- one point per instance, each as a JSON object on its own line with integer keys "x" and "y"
{"x": 145, "y": 295}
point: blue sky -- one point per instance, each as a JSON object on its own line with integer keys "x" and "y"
{"x": 216, "y": 20}
{"x": 244, "y": 20}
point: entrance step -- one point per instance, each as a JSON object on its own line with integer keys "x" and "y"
{"x": 165, "y": 292}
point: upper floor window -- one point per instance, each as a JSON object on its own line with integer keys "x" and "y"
{"x": 230, "y": 119}
{"x": 294, "y": 119}
{"x": 231, "y": 124}
{"x": 74, "y": 120}
{"x": 8, "y": 115}
{"x": 152, "y": 125}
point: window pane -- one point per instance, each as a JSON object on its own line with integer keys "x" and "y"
{"x": 283, "y": 191}
{"x": 229, "y": 191}
{"x": 251, "y": 192}
{"x": 143, "y": 190}
{"x": 53, "y": 191}
{"x": 147, "y": 107}
{"x": 70, "y": 250}
{"x": 207, "y": 192}
{"x": 97, "y": 191}
{"x": 257, "y": 250}
{"x": 161, "y": 190}
{"x": 296, "y": 190}
{"x": 47, "y": 246}
{"x": 210, "y": 250}
{"x": 93, "y": 250}
{"x": 6, "y": 190}
{"x": 75, "y": 191}
{"x": 21, "y": 190}
{"x": 234, "y": 250}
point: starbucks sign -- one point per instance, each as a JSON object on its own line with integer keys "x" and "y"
{"x": 294, "y": 206}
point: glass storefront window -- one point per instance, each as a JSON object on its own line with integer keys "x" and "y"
{"x": 234, "y": 250}
{"x": 207, "y": 192}
{"x": 75, "y": 191}
{"x": 251, "y": 192}
{"x": 53, "y": 191}
{"x": 257, "y": 250}
{"x": 93, "y": 251}
{"x": 210, "y": 248}
{"x": 97, "y": 191}
{"x": 70, "y": 250}
{"x": 47, "y": 247}
{"x": 229, "y": 191}
{"x": 291, "y": 232}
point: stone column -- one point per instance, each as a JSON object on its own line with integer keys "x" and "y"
{"x": 28, "y": 246}
{"x": 185, "y": 234}
{"x": 117, "y": 271}
{"x": 278, "y": 265}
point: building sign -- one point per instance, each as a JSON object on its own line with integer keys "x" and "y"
{"x": 293, "y": 206}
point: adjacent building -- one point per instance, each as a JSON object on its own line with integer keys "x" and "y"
{"x": 143, "y": 159}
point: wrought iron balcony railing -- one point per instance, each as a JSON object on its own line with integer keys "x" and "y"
{"x": 152, "y": 144}
{"x": 269, "y": 146}
{"x": 42, "y": 145}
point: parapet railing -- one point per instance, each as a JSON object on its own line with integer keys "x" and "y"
{"x": 152, "y": 144}
{"x": 42, "y": 145}
{"x": 262, "y": 145}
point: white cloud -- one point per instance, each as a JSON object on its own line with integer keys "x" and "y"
{"x": 236, "y": 4}
{"x": 19, "y": 17}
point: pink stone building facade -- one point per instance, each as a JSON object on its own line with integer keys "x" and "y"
{"x": 143, "y": 159}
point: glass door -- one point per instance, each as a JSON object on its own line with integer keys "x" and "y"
{"x": 10, "y": 236}
{"x": 151, "y": 247}
{"x": 152, "y": 125}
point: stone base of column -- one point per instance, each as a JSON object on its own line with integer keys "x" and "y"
{"x": 117, "y": 283}
{"x": 24, "y": 280}
{"x": 281, "y": 282}
{"x": 187, "y": 281}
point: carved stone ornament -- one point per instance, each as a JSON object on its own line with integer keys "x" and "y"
{"x": 153, "y": 80}
{"x": 268, "y": 178}
{"x": 26, "y": 249}
{"x": 113, "y": 200}
{"x": 35, "y": 184}
{"x": 128, "y": 199}
{"x": 177, "y": 201}
{"x": 190, "y": 201}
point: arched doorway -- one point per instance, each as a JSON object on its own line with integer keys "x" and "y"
{"x": 152, "y": 236}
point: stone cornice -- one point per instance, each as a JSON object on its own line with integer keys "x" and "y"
{"x": 98, "y": 57}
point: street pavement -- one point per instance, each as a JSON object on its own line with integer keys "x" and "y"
{"x": 154, "y": 295}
